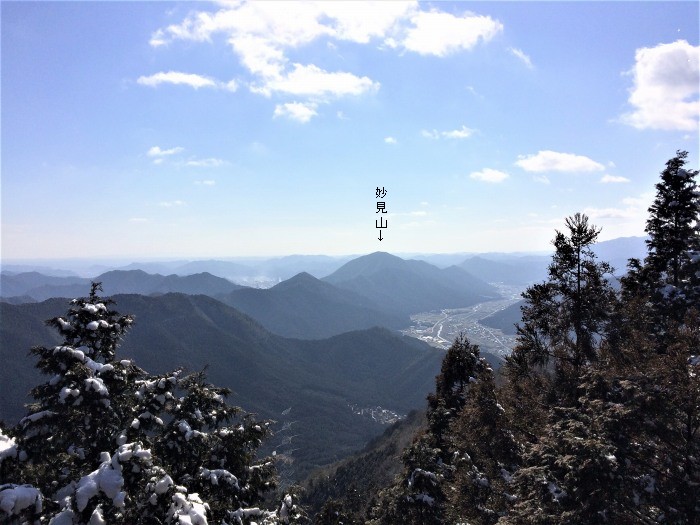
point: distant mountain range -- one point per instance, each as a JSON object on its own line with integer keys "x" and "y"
{"x": 405, "y": 287}
{"x": 374, "y": 290}
{"x": 517, "y": 270}
{"x": 40, "y": 287}
{"x": 319, "y": 379}
{"x": 307, "y": 308}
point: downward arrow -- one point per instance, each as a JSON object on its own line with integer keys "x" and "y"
{"x": 380, "y": 235}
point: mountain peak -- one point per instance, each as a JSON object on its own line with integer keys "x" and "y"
{"x": 366, "y": 265}
{"x": 302, "y": 278}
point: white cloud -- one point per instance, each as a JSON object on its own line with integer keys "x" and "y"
{"x": 489, "y": 175}
{"x": 301, "y": 112}
{"x": 542, "y": 179}
{"x": 205, "y": 163}
{"x": 522, "y": 56}
{"x": 313, "y": 81}
{"x": 440, "y": 34}
{"x": 170, "y": 204}
{"x": 155, "y": 151}
{"x": 231, "y": 86}
{"x": 186, "y": 79}
{"x": 607, "y": 179}
{"x": 462, "y": 133}
{"x": 554, "y": 161}
{"x": 262, "y": 34}
{"x": 138, "y": 219}
{"x": 205, "y": 182}
{"x": 666, "y": 87}
{"x": 176, "y": 77}
{"x": 390, "y": 140}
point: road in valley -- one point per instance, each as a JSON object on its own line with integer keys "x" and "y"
{"x": 440, "y": 328}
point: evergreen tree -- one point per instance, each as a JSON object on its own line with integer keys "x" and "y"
{"x": 674, "y": 234}
{"x": 565, "y": 318}
{"x": 107, "y": 442}
{"x": 486, "y": 453}
{"x": 670, "y": 276}
{"x": 419, "y": 495}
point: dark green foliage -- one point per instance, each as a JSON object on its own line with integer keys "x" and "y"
{"x": 566, "y": 317}
{"x": 487, "y": 455}
{"x": 669, "y": 279}
{"x": 420, "y": 494}
{"x": 672, "y": 226}
{"x": 351, "y": 486}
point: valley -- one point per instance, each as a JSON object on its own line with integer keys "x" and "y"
{"x": 440, "y": 327}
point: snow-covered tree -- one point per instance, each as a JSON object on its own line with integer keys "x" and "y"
{"x": 106, "y": 442}
{"x": 485, "y": 456}
{"x": 419, "y": 495}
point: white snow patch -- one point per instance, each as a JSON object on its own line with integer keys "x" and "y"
{"x": 8, "y": 447}
{"x": 94, "y": 308}
{"x": 16, "y": 498}
{"x": 219, "y": 475}
{"x": 96, "y": 384}
{"x": 97, "y": 518}
{"x": 35, "y": 417}
{"x": 189, "y": 509}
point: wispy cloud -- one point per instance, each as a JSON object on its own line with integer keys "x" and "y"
{"x": 208, "y": 182}
{"x": 171, "y": 204}
{"x": 489, "y": 175}
{"x": 156, "y": 151}
{"x": 390, "y": 140}
{"x": 299, "y": 111}
{"x": 205, "y": 163}
{"x": 312, "y": 81}
{"x": 608, "y": 179}
{"x": 666, "y": 87}
{"x": 462, "y": 133}
{"x": 186, "y": 79}
{"x": 548, "y": 160}
{"x": 520, "y": 54}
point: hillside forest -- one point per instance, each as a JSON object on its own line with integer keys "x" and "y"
{"x": 593, "y": 418}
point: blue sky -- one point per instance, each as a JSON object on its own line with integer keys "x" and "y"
{"x": 158, "y": 129}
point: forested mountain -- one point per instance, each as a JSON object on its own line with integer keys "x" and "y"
{"x": 307, "y": 308}
{"x": 318, "y": 380}
{"x": 506, "y": 319}
{"x": 20, "y": 284}
{"x": 405, "y": 287}
{"x": 41, "y": 287}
